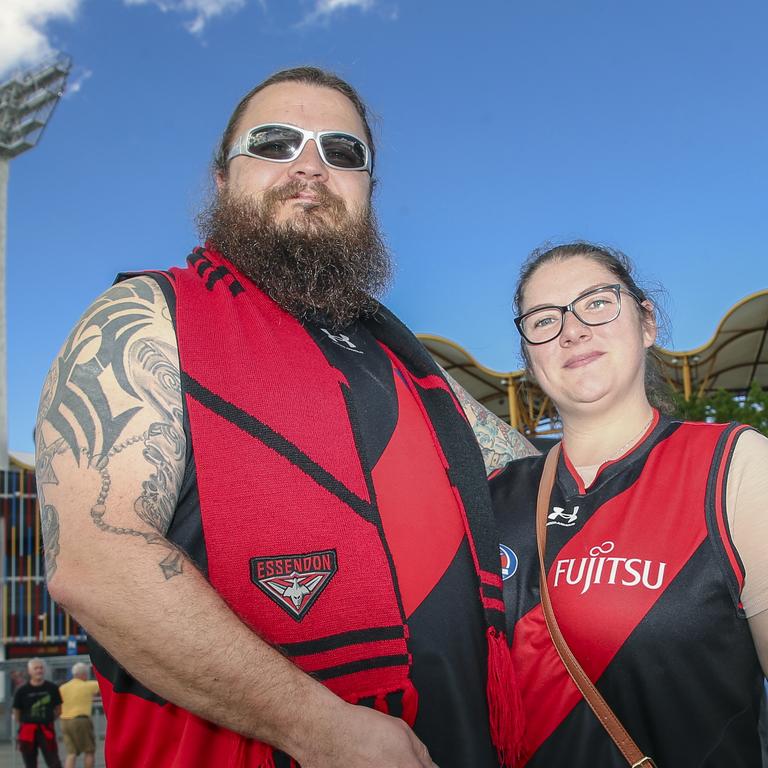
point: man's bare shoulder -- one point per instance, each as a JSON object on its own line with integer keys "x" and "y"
{"x": 109, "y": 434}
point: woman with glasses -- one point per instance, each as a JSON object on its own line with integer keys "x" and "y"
{"x": 656, "y": 546}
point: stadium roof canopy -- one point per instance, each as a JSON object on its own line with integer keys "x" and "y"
{"x": 21, "y": 460}
{"x": 734, "y": 358}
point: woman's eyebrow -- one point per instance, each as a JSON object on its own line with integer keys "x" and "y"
{"x": 580, "y": 293}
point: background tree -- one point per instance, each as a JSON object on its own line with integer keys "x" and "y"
{"x": 723, "y": 406}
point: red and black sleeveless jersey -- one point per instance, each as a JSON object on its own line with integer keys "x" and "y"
{"x": 645, "y": 584}
{"x": 436, "y": 580}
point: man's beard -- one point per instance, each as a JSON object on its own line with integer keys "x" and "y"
{"x": 322, "y": 264}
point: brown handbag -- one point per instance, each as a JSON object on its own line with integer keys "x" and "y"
{"x": 597, "y": 703}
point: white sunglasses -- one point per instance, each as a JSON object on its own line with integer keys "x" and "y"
{"x": 282, "y": 143}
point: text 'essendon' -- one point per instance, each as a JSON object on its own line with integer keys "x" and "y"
{"x": 282, "y": 566}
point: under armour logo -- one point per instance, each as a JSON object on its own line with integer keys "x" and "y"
{"x": 342, "y": 340}
{"x": 558, "y": 513}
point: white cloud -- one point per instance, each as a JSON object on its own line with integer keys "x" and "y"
{"x": 76, "y": 81}
{"x": 23, "y": 37}
{"x": 201, "y": 11}
{"x": 324, "y": 9}
{"x": 329, "y": 6}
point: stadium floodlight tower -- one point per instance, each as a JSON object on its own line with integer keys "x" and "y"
{"x": 27, "y": 101}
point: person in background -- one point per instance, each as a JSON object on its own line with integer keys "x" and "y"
{"x": 76, "y": 712}
{"x": 656, "y": 555}
{"x": 36, "y": 705}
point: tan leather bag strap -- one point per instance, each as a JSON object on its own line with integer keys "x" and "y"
{"x": 597, "y": 703}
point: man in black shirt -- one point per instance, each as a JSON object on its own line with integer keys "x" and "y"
{"x": 36, "y": 705}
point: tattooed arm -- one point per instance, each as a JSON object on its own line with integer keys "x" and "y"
{"x": 110, "y": 461}
{"x": 499, "y": 443}
{"x": 111, "y": 412}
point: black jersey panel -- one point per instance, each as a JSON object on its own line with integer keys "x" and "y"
{"x": 449, "y": 670}
{"x": 186, "y": 529}
{"x": 517, "y": 527}
{"x": 717, "y": 517}
{"x": 356, "y": 353}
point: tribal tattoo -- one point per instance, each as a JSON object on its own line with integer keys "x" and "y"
{"x": 44, "y": 460}
{"x": 49, "y": 517}
{"x": 156, "y": 379}
{"x": 76, "y": 405}
{"x": 73, "y": 401}
{"x": 171, "y": 564}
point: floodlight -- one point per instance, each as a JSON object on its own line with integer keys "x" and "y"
{"x": 27, "y": 101}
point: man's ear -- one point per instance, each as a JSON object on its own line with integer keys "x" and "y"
{"x": 220, "y": 180}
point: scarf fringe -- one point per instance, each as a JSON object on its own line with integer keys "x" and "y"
{"x": 380, "y": 703}
{"x": 505, "y": 705}
{"x": 409, "y": 702}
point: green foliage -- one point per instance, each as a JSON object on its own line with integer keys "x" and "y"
{"x": 722, "y": 406}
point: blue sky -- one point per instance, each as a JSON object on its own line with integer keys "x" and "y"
{"x": 501, "y": 125}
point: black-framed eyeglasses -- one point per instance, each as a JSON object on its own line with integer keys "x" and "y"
{"x": 596, "y": 306}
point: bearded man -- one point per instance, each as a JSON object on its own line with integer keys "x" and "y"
{"x": 260, "y": 495}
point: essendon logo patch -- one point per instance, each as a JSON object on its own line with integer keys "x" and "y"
{"x": 294, "y": 582}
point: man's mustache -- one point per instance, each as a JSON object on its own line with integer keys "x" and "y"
{"x": 291, "y": 189}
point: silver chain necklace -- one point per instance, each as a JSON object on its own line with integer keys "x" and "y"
{"x": 629, "y": 443}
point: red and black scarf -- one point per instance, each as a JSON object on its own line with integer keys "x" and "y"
{"x": 286, "y": 504}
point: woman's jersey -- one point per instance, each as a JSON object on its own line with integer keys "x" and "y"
{"x": 645, "y": 584}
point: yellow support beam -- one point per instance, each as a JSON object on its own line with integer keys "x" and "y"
{"x": 514, "y": 411}
{"x": 686, "y": 378}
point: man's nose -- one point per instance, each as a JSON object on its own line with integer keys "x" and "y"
{"x": 309, "y": 165}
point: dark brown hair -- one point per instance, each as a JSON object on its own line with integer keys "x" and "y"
{"x": 619, "y": 265}
{"x": 308, "y": 75}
